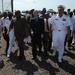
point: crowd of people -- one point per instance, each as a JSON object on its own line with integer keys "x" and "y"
{"x": 44, "y": 30}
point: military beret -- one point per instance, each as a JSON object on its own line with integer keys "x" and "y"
{"x": 44, "y": 9}
{"x": 10, "y": 14}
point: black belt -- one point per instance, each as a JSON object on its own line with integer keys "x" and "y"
{"x": 59, "y": 30}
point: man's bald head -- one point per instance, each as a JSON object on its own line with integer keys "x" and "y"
{"x": 35, "y": 13}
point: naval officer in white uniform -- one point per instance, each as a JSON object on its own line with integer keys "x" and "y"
{"x": 61, "y": 26}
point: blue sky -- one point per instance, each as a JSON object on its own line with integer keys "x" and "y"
{"x": 38, "y": 4}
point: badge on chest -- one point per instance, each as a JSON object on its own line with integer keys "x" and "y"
{"x": 63, "y": 20}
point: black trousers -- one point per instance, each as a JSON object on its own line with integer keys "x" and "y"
{"x": 69, "y": 41}
{"x": 20, "y": 41}
{"x": 36, "y": 41}
{"x": 47, "y": 42}
{"x": 6, "y": 37}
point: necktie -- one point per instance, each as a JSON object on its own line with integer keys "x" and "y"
{"x": 47, "y": 24}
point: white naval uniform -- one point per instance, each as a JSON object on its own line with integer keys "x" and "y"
{"x": 59, "y": 26}
{"x": 73, "y": 24}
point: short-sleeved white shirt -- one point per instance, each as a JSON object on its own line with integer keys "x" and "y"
{"x": 6, "y": 22}
{"x": 60, "y": 23}
{"x": 46, "y": 24}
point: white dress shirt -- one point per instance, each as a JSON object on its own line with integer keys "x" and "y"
{"x": 46, "y": 24}
{"x": 5, "y": 22}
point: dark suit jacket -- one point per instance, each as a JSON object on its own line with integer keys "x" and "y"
{"x": 37, "y": 27}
